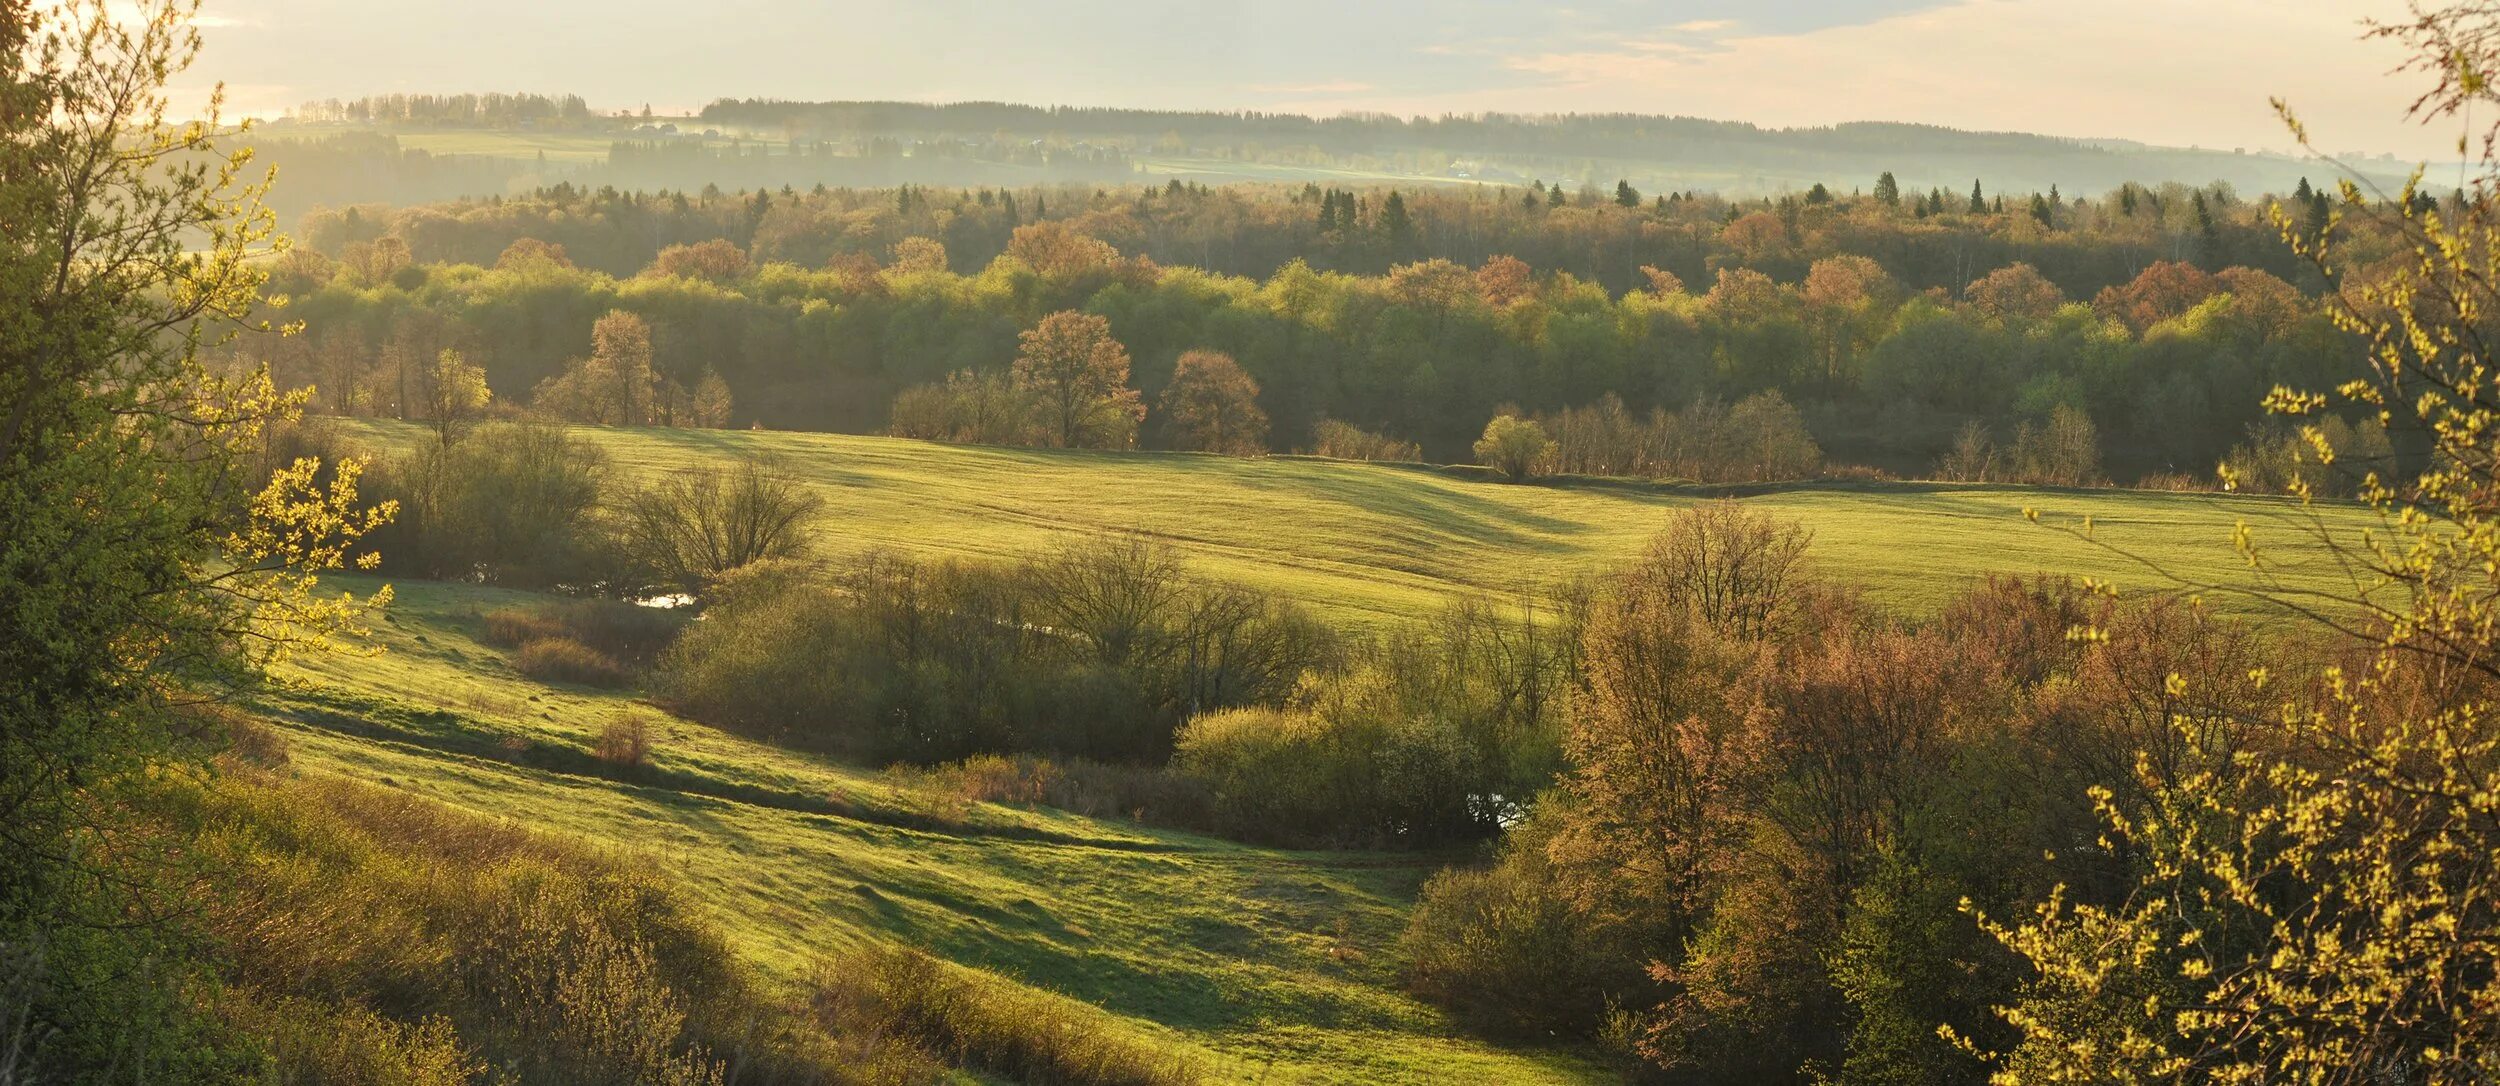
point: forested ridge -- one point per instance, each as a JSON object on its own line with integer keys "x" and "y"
{"x": 1892, "y": 321}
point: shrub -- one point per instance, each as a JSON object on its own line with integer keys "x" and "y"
{"x": 1346, "y": 441}
{"x": 1761, "y": 439}
{"x": 2063, "y": 452}
{"x": 624, "y": 742}
{"x": 630, "y": 632}
{"x": 349, "y": 1045}
{"x": 983, "y": 1022}
{"x": 1153, "y": 794}
{"x": 1513, "y": 446}
{"x": 1506, "y": 952}
{"x": 689, "y": 529}
{"x": 1278, "y": 776}
{"x": 969, "y": 408}
{"x": 510, "y": 504}
{"x": 1095, "y": 651}
{"x": 627, "y": 632}
{"x": 513, "y": 627}
{"x": 564, "y": 660}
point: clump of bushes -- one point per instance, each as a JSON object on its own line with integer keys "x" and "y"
{"x": 510, "y": 503}
{"x": 1152, "y": 794}
{"x": 424, "y": 945}
{"x": 593, "y": 642}
{"x": 1761, "y": 439}
{"x": 1509, "y": 956}
{"x": 2062, "y": 450}
{"x": 1099, "y": 650}
{"x": 1515, "y": 447}
{"x": 1346, "y": 441}
{"x": 1440, "y": 736}
{"x": 564, "y": 660}
{"x": 528, "y": 505}
{"x": 513, "y": 627}
{"x": 624, "y": 742}
{"x": 981, "y": 1022}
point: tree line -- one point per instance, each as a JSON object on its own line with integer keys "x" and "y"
{"x": 2166, "y": 364}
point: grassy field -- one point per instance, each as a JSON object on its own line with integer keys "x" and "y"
{"x": 1372, "y": 546}
{"x": 558, "y": 146}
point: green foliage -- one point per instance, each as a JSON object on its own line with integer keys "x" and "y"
{"x": 1345, "y": 441}
{"x": 146, "y": 559}
{"x": 1513, "y": 446}
{"x": 1506, "y": 953}
{"x": 2316, "y": 907}
{"x": 1438, "y": 735}
{"x": 510, "y": 503}
{"x": 814, "y": 335}
{"x": 1100, "y": 649}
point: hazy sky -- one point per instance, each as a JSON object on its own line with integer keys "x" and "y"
{"x": 2163, "y": 71}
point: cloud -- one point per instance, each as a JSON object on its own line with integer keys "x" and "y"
{"x": 1703, "y": 26}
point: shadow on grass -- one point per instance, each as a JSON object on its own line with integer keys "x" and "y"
{"x": 445, "y": 732}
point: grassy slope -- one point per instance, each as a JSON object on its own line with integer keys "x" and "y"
{"x": 1237, "y": 953}
{"x": 1374, "y": 545}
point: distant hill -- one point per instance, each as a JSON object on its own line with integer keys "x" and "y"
{"x": 406, "y": 150}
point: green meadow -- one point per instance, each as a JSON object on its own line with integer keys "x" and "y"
{"x": 1372, "y": 546}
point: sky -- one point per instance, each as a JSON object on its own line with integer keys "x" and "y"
{"x": 2171, "y": 72}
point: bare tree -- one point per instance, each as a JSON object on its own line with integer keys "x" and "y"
{"x": 691, "y": 528}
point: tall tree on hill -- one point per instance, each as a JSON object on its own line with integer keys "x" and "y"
{"x": 1396, "y": 224}
{"x": 620, "y": 345}
{"x": 1978, "y": 202}
{"x": 1626, "y": 195}
{"x": 1079, "y": 376}
{"x": 1212, "y": 405}
{"x": 2208, "y": 236}
{"x": 1887, "y": 190}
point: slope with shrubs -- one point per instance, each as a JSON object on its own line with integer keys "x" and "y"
{"x": 1213, "y": 961}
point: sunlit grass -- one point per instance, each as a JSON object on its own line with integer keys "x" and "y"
{"x": 1372, "y": 546}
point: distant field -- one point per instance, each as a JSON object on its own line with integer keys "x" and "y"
{"x": 568, "y": 147}
{"x": 1373, "y": 545}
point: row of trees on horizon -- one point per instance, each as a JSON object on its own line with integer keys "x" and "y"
{"x": 1797, "y": 298}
